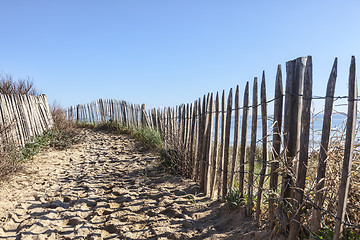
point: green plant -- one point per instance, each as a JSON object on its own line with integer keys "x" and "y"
{"x": 234, "y": 198}
{"x": 150, "y": 138}
{"x": 192, "y": 198}
{"x": 33, "y": 147}
{"x": 168, "y": 160}
{"x": 328, "y": 233}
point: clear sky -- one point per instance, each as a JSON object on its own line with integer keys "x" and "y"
{"x": 168, "y": 52}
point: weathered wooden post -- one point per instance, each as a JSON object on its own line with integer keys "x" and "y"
{"x": 78, "y": 110}
{"x": 214, "y": 164}
{"x": 203, "y": 145}
{"x": 252, "y": 148}
{"x": 102, "y": 111}
{"x": 245, "y": 119}
{"x": 304, "y": 151}
{"x": 199, "y": 137}
{"x": 325, "y": 137}
{"x": 278, "y": 107}
{"x": 222, "y": 143}
{"x": 349, "y": 150}
{"x": 264, "y": 119}
{"x": 236, "y": 136}
{"x": 295, "y": 71}
{"x": 227, "y": 143}
{"x": 209, "y": 131}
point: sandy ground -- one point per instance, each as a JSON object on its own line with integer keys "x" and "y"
{"x": 107, "y": 187}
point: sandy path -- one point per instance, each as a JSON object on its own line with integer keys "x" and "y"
{"x": 108, "y": 188}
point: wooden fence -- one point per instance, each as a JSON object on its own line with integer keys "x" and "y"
{"x": 22, "y": 117}
{"x": 203, "y": 130}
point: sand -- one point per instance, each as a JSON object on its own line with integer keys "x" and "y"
{"x": 108, "y": 187}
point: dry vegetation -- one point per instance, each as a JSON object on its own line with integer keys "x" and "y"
{"x": 21, "y": 86}
{"x": 63, "y": 135}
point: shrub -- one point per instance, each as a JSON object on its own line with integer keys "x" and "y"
{"x": 234, "y": 199}
{"x": 150, "y": 138}
{"x": 22, "y": 86}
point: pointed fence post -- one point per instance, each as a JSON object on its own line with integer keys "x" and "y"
{"x": 295, "y": 71}
{"x": 203, "y": 147}
{"x": 304, "y": 151}
{"x": 209, "y": 143}
{"x": 227, "y": 144}
{"x": 78, "y": 110}
{"x": 236, "y": 137}
{"x": 252, "y": 149}
{"x": 199, "y": 140}
{"x": 265, "y": 159}
{"x": 325, "y": 137}
{"x": 244, "y": 127}
{"x": 278, "y": 108}
{"x": 214, "y": 163}
{"x": 222, "y": 143}
{"x": 349, "y": 150}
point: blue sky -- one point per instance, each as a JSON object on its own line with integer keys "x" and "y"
{"x": 168, "y": 52}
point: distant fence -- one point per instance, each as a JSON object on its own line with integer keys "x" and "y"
{"x": 203, "y": 129}
{"x": 23, "y": 117}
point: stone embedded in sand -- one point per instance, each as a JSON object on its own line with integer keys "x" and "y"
{"x": 66, "y": 199}
{"x": 111, "y": 228}
{"x": 73, "y": 221}
{"x": 55, "y": 188}
{"x": 151, "y": 213}
{"x": 57, "y": 203}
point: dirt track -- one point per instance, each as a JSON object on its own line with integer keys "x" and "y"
{"x": 107, "y": 187}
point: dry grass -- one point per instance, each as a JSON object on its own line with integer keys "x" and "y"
{"x": 334, "y": 163}
{"x": 21, "y": 86}
{"x": 65, "y": 133}
{"x": 8, "y": 155}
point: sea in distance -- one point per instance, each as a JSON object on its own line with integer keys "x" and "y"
{"x": 338, "y": 123}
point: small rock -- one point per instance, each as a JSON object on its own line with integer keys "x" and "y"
{"x": 67, "y": 199}
{"x": 73, "y": 221}
{"x": 111, "y": 228}
{"x": 151, "y": 213}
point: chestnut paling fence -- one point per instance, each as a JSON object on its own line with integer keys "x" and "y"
{"x": 203, "y": 129}
{"x": 23, "y": 117}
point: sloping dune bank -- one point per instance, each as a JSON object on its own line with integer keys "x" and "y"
{"x": 107, "y": 187}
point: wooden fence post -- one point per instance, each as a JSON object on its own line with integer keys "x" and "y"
{"x": 325, "y": 137}
{"x": 222, "y": 143}
{"x": 227, "y": 143}
{"x": 236, "y": 137}
{"x": 193, "y": 143}
{"x": 200, "y": 142}
{"x": 278, "y": 107}
{"x": 348, "y": 152}
{"x": 102, "y": 110}
{"x": 252, "y": 148}
{"x": 78, "y": 110}
{"x": 244, "y": 126}
{"x": 209, "y": 130}
{"x": 292, "y": 123}
{"x": 216, "y": 149}
{"x": 264, "y": 148}
{"x": 304, "y": 152}
{"x": 203, "y": 145}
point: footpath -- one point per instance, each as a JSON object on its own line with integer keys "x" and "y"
{"x": 108, "y": 187}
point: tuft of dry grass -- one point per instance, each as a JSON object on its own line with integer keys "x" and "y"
{"x": 21, "y": 86}
{"x": 8, "y": 155}
{"x": 65, "y": 133}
